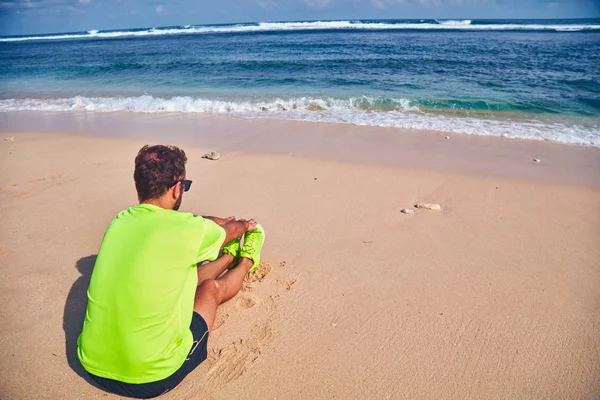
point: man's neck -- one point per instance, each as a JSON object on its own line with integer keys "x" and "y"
{"x": 159, "y": 202}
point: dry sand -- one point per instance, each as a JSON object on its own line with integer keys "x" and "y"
{"x": 497, "y": 296}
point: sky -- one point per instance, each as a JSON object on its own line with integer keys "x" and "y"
{"x": 20, "y": 17}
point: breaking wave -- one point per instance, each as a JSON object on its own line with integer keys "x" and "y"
{"x": 364, "y": 110}
{"x": 317, "y": 25}
{"x": 452, "y": 22}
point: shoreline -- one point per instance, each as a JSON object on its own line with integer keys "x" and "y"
{"x": 563, "y": 129}
{"x": 437, "y": 150}
{"x": 17, "y": 118}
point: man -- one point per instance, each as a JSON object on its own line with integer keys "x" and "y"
{"x": 150, "y": 306}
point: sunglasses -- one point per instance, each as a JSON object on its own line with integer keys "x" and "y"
{"x": 187, "y": 184}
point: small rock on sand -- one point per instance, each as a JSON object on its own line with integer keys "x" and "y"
{"x": 537, "y": 160}
{"x": 447, "y": 137}
{"x": 9, "y": 139}
{"x": 429, "y": 206}
{"x": 213, "y": 155}
{"x": 407, "y": 211}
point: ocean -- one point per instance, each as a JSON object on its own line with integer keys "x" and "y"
{"x": 533, "y": 79}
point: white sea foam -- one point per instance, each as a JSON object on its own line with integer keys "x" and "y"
{"x": 462, "y": 22}
{"x": 315, "y": 25}
{"x": 186, "y": 104}
{"x": 401, "y": 113}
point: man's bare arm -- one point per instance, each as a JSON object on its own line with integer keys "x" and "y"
{"x": 220, "y": 221}
{"x": 234, "y": 229}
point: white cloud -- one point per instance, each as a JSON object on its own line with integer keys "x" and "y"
{"x": 268, "y": 5}
{"x": 40, "y": 6}
{"x": 464, "y": 2}
{"x": 317, "y": 3}
{"x": 160, "y": 10}
{"x": 273, "y": 5}
{"x": 428, "y": 3}
{"x": 381, "y": 4}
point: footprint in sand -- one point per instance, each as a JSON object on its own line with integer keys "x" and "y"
{"x": 219, "y": 321}
{"x": 229, "y": 362}
{"x": 258, "y": 275}
{"x": 11, "y": 186}
{"x": 23, "y": 194}
{"x": 47, "y": 178}
{"x": 246, "y": 302}
{"x": 286, "y": 282}
{"x": 261, "y": 272}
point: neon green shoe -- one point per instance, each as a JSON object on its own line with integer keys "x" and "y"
{"x": 233, "y": 248}
{"x": 253, "y": 243}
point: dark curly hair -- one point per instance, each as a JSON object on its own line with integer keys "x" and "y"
{"x": 157, "y": 168}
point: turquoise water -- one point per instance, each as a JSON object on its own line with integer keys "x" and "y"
{"x": 535, "y": 79}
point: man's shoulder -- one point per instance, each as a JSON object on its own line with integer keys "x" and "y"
{"x": 143, "y": 215}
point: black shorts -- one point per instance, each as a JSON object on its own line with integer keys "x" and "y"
{"x": 197, "y": 354}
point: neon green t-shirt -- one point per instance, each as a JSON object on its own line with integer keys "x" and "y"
{"x": 141, "y": 293}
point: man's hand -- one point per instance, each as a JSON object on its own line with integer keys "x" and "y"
{"x": 249, "y": 223}
{"x": 236, "y": 229}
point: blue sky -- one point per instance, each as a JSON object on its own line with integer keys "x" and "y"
{"x": 44, "y": 16}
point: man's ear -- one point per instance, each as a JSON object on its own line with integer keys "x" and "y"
{"x": 175, "y": 190}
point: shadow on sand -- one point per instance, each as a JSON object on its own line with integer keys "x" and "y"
{"x": 75, "y": 313}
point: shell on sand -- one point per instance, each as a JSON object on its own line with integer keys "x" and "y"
{"x": 213, "y": 155}
{"x": 429, "y": 206}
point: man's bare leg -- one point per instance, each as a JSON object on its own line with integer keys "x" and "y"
{"x": 214, "y": 269}
{"x": 212, "y": 292}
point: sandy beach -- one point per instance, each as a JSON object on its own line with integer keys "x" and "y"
{"x": 496, "y": 296}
